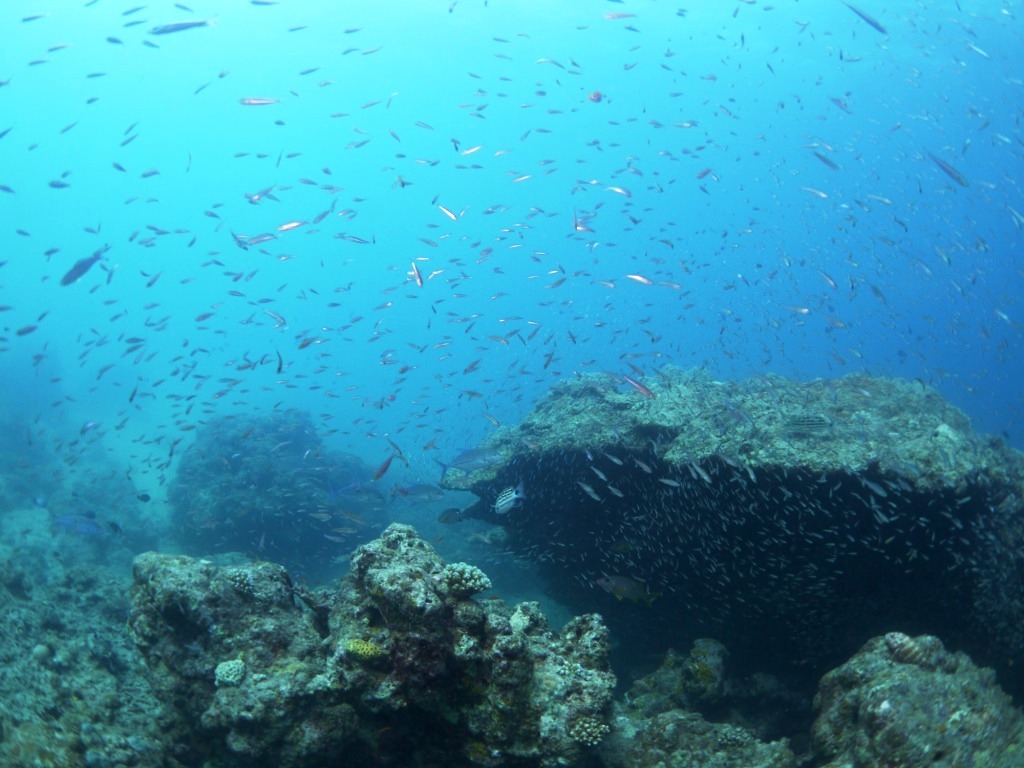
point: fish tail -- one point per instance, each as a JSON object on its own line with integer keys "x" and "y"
{"x": 444, "y": 468}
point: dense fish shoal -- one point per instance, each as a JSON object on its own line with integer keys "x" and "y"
{"x": 786, "y": 518}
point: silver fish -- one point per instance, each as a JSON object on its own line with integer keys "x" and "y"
{"x": 471, "y": 460}
{"x": 419, "y": 493}
{"x": 177, "y": 26}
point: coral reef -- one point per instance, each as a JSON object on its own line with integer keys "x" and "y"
{"x": 266, "y": 486}
{"x": 907, "y": 702}
{"x": 395, "y": 665}
{"x": 589, "y": 731}
{"x": 795, "y": 519}
{"x": 683, "y": 682}
{"x": 230, "y": 672}
{"x": 396, "y": 660}
{"x": 464, "y": 580}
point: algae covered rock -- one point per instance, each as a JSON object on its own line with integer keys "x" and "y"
{"x": 517, "y": 689}
{"x": 395, "y": 664}
{"x": 238, "y": 654}
{"x": 907, "y": 701}
{"x": 852, "y": 423}
{"x": 682, "y": 681}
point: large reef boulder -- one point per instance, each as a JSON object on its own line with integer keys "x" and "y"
{"x": 907, "y": 702}
{"x": 855, "y": 423}
{"x": 703, "y": 682}
{"x": 792, "y": 520}
{"x": 396, "y": 662}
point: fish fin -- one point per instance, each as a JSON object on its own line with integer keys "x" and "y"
{"x": 444, "y": 468}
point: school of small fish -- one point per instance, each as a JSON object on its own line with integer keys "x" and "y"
{"x": 783, "y": 552}
{"x": 210, "y": 209}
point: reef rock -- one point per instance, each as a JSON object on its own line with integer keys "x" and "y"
{"x": 72, "y": 689}
{"x": 396, "y": 663}
{"x": 794, "y": 520}
{"x": 690, "y": 712}
{"x": 680, "y": 739}
{"x": 684, "y": 682}
{"x": 907, "y": 702}
{"x": 702, "y": 682}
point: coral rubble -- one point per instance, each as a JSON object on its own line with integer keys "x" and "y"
{"x": 396, "y": 660}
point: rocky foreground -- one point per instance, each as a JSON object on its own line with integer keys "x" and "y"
{"x": 399, "y": 664}
{"x": 402, "y": 663}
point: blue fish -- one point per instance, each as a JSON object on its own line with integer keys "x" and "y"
{"x": 79, "y": 524}
{"x": 354, "y": 489}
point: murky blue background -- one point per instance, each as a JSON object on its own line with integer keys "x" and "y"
{"x": 771, "y": 261}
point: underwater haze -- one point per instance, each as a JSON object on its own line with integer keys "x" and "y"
{"x": 413, "y": 218}
{"x": 273, "y": 272}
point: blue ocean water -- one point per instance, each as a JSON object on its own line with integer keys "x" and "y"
{"x": 744, "y": 186}
{"x": 411, "y": 219}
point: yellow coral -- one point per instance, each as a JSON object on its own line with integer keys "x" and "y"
{"x": 364, "y": 649}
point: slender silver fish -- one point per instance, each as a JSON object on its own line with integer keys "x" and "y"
{"x": 870, "y": 21}
{"x": 177, "y": 26}
{"x": 950, "y": 171}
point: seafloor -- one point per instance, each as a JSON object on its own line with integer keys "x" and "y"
{"x": 809, "y": 574}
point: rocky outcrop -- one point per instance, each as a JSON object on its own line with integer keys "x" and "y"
{"x": 791, "y": 519}
{"x": 395, "y": 660}
{"x": 908, "y": 702}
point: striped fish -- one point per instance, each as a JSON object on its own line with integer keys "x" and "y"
{"x": 509, "y": 498}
